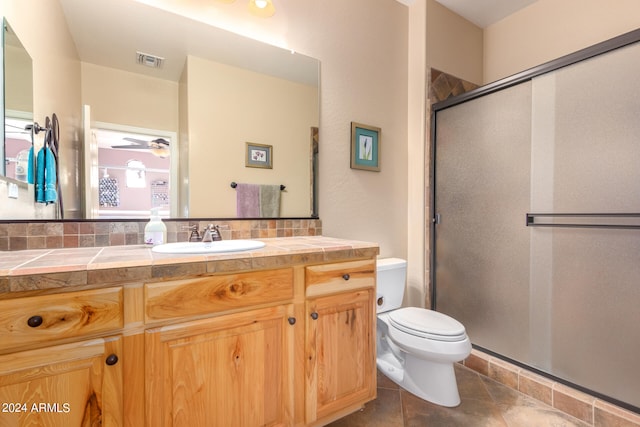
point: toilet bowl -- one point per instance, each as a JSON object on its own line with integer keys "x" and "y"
{"x": 416, "y": 347}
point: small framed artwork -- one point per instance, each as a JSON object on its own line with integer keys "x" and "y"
{"x": 259, "y": 156}
{"x": 365, "y": 147}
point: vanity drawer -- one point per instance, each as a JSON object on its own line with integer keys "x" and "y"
{"x": 44, "y": 318}
{"x": 177, "y": 298}
{"x": 339, "y": 277}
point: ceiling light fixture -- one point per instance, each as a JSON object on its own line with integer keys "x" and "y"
{"x": 262, "y": 8}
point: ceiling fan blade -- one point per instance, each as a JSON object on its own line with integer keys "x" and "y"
{"x": 132, "y": 147}
{"x": 136, "y": 141}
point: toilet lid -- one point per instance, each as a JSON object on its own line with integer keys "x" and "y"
{"x": 427, "y": 324}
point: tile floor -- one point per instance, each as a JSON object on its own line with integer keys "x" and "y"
{"x": 485, "y": 402}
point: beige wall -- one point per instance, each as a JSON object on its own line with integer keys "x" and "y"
{"x": 454, "y": 45}
{"x": 19, "y": 93}
{"x": 549, "y": 29}
{"x": 56, "y": 73}
{"x": 130, "y": 99}
{"x": 229, "y": 106}
{"x": 417, "y": 200}
{"x": 363, "y": 51}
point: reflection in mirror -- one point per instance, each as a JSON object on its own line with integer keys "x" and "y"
{"x": 18, "y": 106}
{"x": 215, "y": 91}
{"x": 17, "y": 145}
{"x": 132, "y": 174}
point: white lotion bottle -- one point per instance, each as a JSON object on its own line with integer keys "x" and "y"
{"x": 155, "y": 232}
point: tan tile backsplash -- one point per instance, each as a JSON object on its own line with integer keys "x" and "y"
{"x": 83, "y": 234}
{"x": 587, "y": 408}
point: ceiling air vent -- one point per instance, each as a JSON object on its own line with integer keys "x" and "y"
{"x": 149, "y": 60}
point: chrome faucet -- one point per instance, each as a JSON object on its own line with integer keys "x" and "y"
{"x": 211, "y": 233}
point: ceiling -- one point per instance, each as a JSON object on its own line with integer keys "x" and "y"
{"x": 119, "y": 28}
{"x": 481, "y": 12}
{"x": 485, "y": 12}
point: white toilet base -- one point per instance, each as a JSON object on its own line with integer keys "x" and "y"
{"x": 389, "y": 366}
{"x": 431, "y": 381}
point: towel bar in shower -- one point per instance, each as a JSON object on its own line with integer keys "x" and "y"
{"x": 612, "y": 220}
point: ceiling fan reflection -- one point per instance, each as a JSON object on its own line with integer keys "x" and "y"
{"x": 158, "y": 147}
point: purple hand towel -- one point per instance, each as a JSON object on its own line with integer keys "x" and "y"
{"x": 248, "y": 201}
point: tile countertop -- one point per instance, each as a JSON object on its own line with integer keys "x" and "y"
{"x": 45, "y": 269}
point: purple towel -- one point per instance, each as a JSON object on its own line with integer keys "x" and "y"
{"x": 248, "y": 201}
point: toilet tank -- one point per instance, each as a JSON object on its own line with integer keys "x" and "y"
{"x": 390, "y": 281}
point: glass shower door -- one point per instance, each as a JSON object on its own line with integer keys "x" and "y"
{"x": 482, "y": 181}
{"x": 559, "y": 292}
{"x": 586, "y": 131}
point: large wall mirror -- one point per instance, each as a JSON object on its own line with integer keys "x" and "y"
{"x": 17, "y": 95}
{"x": 177, "y": 101}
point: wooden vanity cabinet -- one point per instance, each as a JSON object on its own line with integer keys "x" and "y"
{"x": 232, "y": 369}
{"x": 340, "y": 339}
{"x": 291, "y": 346}
{"x": 284, "y": 347}
{"x": 77, "y": 382}
{"x": 39, "y": 320}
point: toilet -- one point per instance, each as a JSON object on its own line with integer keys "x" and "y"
{"x": 416, "y": 347}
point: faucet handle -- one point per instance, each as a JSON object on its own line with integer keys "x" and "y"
{"x": 215, "y": 232}
{"x": 195, "y": 234}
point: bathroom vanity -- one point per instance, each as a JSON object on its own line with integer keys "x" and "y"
{"x": 283, "y": 335}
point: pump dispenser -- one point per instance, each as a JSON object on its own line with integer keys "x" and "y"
{"x": 155, "y": 232}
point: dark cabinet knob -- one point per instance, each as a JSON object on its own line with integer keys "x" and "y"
{"x": 34, "y": 321}
{"x": 292, "y": 320}
{"x": 314, "y": 315}
{"x": 111, "y": 360}
{"x": 346, "y": 276}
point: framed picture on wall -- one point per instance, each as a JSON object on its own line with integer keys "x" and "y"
{"x": 259, "y": 156}
{"x": 365, "y": 147}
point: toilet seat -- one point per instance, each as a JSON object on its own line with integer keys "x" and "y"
{"x": 427, "y": 324}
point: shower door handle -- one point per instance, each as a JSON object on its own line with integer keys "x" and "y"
{"x": 436, "y": 219}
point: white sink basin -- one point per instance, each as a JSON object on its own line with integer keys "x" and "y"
{"x": 208, "y": 247}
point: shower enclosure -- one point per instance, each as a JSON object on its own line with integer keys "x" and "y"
{"x": 536, "y": 238}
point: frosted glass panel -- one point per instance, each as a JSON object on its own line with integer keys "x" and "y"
{"x": 595, "y": 278}
{"x": 563, "y": 300}
{"x": 482, "y": 194}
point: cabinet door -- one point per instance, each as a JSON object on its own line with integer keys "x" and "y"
{"x": 78, "y": 384}
{"x": 340, "y": 351}
{"x": 231, "y": 370}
